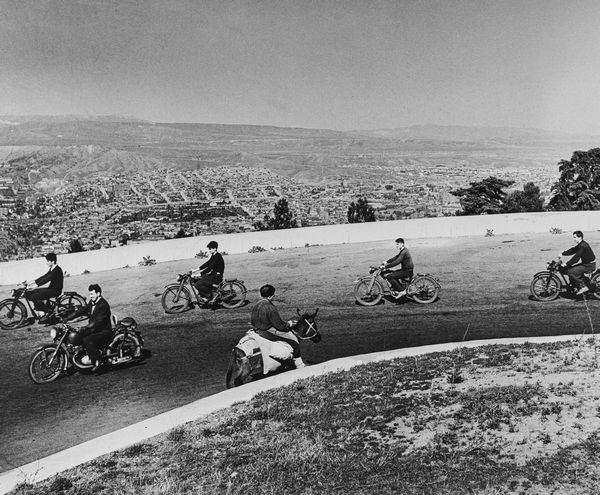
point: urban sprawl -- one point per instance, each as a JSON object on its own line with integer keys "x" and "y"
{"x": 109, "y": 210}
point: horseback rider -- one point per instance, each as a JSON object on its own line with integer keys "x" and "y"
{"x": 39, "y": 295}
{"x": 211, "y": 273}
{"x": 98, "y": 330}
{"x": 268, "y": 323}
{"x": 404, "y": 270}
{"x": 583, "y": 253}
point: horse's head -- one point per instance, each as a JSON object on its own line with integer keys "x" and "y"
{"x": 306, "y": 327}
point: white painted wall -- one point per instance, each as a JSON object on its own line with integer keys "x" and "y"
{"x": 13, "y": 272}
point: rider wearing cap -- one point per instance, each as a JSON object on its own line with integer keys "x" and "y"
{"x": 269, "y": 325}
{"x": 211, "y": 272}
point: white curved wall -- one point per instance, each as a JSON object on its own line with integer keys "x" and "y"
{"x": 13, "y": 272}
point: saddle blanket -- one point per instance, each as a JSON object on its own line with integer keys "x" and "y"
{"x": 280, "y": 350}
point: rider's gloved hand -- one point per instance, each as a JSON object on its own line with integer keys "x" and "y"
{"x": 291, "y": 323}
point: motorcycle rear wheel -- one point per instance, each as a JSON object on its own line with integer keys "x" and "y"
{"x": 124, "y": 347}
{"x": 232, "y": 294}
{"x": 424, "y": 289}
{"x": 595, "y": 286}
{"x": 12, "y": 317}
{"x": 69, "y": 303}
{"x": 41, "y": 370}
{"x": 173, "y": 303}
{"x": 366, "y": 296}
{"x": 545, "y": 287}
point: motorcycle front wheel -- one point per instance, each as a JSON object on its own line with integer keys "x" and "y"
{"x": 545, "y": 287}
{"x": 41, "y": 370}
{"x": 368, "y": 292}
{"x": 12, "y": 314}
{"x": 232, "y": 294}
{"x": 424, "y": 289}
{"x": 176, "y": 299}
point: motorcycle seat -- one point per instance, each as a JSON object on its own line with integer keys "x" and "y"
{"x": 128, "y": 322}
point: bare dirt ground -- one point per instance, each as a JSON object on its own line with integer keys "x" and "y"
{"x": 485, "y": 294}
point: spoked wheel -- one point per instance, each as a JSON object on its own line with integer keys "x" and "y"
{"x": 545, "y": 287}
{"x": 176, "y": 299}
{"x": 368, "y": 292}
{"x": 68, "y": 304}
{"x": 45, "y": 366}
{"x": 424, "y": 289}
{"x": 233, "y": 294}
{"x": 595, "y": 287}
{"x": 12, "y": 314}
{"x": 124, "y": 349}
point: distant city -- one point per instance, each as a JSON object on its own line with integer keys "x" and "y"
{"x": 113, "y": 209}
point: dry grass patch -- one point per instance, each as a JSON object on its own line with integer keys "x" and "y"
{"x": 487, "y": 421}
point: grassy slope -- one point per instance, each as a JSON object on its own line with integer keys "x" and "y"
{"x": 432, "y": 425}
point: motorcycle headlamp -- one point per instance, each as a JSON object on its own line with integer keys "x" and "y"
{"x": 53, "y": 333}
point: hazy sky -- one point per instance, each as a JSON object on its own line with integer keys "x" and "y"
{"x": 353, "y": 64}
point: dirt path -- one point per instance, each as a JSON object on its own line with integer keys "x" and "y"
{"x": 485, "y": 294}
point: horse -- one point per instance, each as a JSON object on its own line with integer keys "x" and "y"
{"x": 247, "y": 362}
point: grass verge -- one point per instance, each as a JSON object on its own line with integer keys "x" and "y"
{"x": 486, "y": 421}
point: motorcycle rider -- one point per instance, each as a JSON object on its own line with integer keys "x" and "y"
{"x": 210, "y": 273}
{"x": 405, "y": 269}
{"x": 98, "y": 330}
{"x": 38, "y": 296}
{"x": 583, "y": 253}
{"x": 268, "y": 323}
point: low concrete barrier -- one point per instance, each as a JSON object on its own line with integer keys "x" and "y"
{"x": 125, "y": 437}
{"x": 14, "y": 272}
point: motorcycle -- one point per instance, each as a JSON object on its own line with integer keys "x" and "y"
{"x": 177, "y": 297}
{"x": 51, "y": 360}
{"x": 254, "y": 355}
{"x": 13, "y": 313}
{"x": 370, "y": 289}
{"x": 548, "y": 285}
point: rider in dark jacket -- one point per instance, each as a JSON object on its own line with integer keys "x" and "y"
{"x": 55, "y": 277}
{"x": 98, "y": 331}
{"x": 405, "y": 268}
{"x": 583, "y": 253}
{"x": 211, "y": 272}
{"x": 268, "y": 323}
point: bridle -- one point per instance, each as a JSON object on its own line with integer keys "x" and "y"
{"x": 311, "y": 332}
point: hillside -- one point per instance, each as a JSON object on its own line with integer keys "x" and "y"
{"x": 308, "y": 154}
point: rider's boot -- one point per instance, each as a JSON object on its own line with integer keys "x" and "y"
{"x": 400, "y": 294}
{"x": 299, "y": 363}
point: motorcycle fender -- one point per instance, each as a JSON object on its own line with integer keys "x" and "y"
{"x": 546, "y": 272}
{"x": 365, "y": 277}
{"x": 171, "y": 285}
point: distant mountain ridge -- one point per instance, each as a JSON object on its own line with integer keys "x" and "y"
{"x": 473, "y": 133}
{"x": 306, "y": 154}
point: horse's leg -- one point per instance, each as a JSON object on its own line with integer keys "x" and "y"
{"x": 239, "y": 370}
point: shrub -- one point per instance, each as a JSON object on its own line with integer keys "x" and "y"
{"x": 147, "y": 261}
{"x": 202, "y": 254}
{"x": 85, "y": 272}
{"x": 224, "y": 253}
{"x": 556, "y": 230}
{"x": 256, "y": 249}
{"x": 489, "y": 232}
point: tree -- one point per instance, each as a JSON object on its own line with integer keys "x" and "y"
{"x": 485, "y": 196}
{"x": 529, "y": 199}
{"x": 360, "y": 212}
{"x": 75, "y": 246}
{"x": 282, "y": 218}
{"x": 578, "y": 187}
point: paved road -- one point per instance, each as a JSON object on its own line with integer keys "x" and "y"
{"x": 485, "y": 289}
